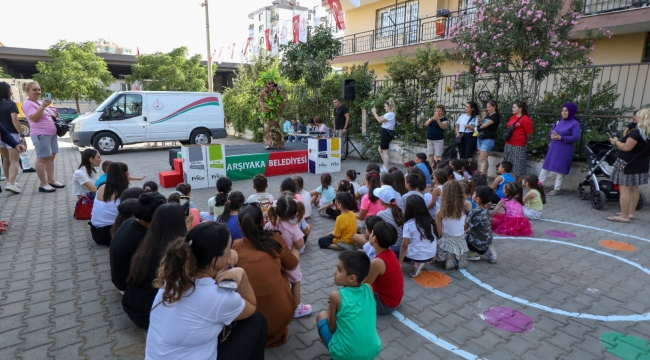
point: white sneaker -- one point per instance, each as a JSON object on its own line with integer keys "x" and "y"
{"x": 383, "y": 169}
{"x": 2, "y": 178}
{"x": 12, "y": 188}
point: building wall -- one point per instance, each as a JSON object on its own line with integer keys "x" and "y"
{"x": 619, "y": 49}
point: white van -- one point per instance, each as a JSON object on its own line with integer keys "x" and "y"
{"x": 129, "y": 117}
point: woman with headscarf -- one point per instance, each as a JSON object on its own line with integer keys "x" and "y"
{"x": 563, "y": 135}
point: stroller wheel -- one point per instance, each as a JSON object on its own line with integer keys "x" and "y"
{"x": 641, "y": 202}
{"x": 598, "y": 199}
{"x": 582, "y": 194}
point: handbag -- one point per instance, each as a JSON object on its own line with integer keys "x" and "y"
{"x": 84, "y": 208}
{"x": 458, "y": 140}
{"x": 620, "y": 164}
{"x": 507, "y": 132}
{"x": 62, "y": 127}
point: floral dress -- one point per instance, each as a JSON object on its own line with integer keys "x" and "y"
{"x": 480, "y": 236}
{"x": 513, "y": 222}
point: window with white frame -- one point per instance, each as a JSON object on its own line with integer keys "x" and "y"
{"x": 398, "y": 19}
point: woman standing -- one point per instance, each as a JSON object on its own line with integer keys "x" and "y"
{"x": 515, "y": 149}
{"x": 197, "y": 314}
{"x": 633, "y": 149}
{"x": 487, "y": 134}
{"x": 43, "y": 133}
{"x": 9, "y": 120}
{"x": 436, "y": 126}
{"x": 564, "y": 134}
{"x": 84, "y": 178}
{"x": 387, "y": 122}
{"x": 263, "y": 254}
{"x": 465, "y": 125}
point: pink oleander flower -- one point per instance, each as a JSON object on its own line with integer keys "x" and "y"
{"x": 529, "y": 28}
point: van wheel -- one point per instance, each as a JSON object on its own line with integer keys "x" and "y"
{"x": 200, "y": 137}
{"x": 106, "y": 143}
{"x": 24, "y": 128}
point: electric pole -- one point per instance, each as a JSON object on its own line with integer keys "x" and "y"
{"x": 207, "y": 32}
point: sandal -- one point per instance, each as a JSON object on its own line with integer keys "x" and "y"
{"x": 267, "y": 147}
{"x": 617, "y": 219}
{"x": 629, "y": 217}
{"x": 3, "y": 228}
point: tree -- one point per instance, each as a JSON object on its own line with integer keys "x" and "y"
{"x": 310, "y": 61}
{"x": 518, "y": 36}
{"x": 75, "y": 72}
{"x": 3, "y": 75}
{"x": 241, "y": 102}
{"x": 170, "y": 72}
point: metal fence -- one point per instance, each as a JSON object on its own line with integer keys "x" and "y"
{"x": 606, "y": 95}
{"x": 594, "y": 7}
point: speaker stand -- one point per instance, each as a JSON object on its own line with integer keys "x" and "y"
{"x": 347, "y": 143}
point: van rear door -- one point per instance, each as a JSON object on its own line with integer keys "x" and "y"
{"x": 124, "y": 117}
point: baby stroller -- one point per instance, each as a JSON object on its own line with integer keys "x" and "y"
{"x": 600, "y": 159}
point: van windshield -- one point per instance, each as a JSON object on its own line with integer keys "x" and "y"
{"x": 107, "y": 102}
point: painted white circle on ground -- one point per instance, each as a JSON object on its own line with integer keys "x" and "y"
{"x": 639, "y": 317}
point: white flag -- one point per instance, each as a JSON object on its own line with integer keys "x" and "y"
{"x": 302, "y": 37}
{"x": 284, "y": 32}
{"x": 274, "y": 40}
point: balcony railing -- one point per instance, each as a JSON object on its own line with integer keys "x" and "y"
{"x": 275, "y": 18}
{"x": 408, "y": 33}
{"x": 594, "y": 7}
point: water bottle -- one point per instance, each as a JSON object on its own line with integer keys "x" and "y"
{"x": 24, "y": 161}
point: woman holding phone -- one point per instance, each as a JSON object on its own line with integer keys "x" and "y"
{"x": 43, "y": 133}
{"x": 11, "y": 143}
{"x": 563, "y": 135}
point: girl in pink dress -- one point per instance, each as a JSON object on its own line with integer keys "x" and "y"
{"x": 513, "y": 222}
{"x": 285, "y": 217}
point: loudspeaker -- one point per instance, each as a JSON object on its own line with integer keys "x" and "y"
{"x": 349, "y": 89}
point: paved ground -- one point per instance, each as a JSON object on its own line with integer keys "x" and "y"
{"x": 57, "y": 300}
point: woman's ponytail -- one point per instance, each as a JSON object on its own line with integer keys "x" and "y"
{"x": 175, "y": 274}
{"x": 397, "y": 213}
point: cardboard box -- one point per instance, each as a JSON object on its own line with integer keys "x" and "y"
{"x": 216, "y": 155}
{"x": 195, "y": 166}
{"x": 324, "y": 155}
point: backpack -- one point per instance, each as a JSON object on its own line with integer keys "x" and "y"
{"x": 84, "y": 208}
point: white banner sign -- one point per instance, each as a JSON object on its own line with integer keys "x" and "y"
{"x": 302, "y": 35}
{"x": 285, "y": 29}
{"x": 274, "y": 40}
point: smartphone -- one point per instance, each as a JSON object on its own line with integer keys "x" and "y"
{"x": 613, "y": 134}
{"x": 185, "y": 202}
{"x": 275, "y": 85}
{"x": 228, "y": 284}
{"x": 48, "y": 96}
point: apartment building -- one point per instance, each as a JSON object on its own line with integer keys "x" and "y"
{"x": 273, "y": 15}
{"x": 108, "y": 47}
{"x": 376, "y": 30}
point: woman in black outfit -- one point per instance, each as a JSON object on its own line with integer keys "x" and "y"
{"x": 465, "y": 126}
{"x": 487, "y": 134}
{"x": 10, "y": 138}
{"x": 169, "y": 222}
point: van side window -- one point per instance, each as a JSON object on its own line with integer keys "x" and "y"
{"x": 125, "y": 107}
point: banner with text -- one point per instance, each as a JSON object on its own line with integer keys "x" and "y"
{"x": 324, "y": 155}
{"x": 240, "y": 167}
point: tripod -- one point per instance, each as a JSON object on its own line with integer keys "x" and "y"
{"x": 347, "y": 142}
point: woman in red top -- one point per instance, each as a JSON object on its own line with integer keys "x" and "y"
{"x": 515, "y": 149}
{"x": 385, "y": 274}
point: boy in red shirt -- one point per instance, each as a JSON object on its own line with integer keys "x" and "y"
{"x": 385, "y": 274}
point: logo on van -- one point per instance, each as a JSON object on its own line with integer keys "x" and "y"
{"x": 158, "y": 105}
{"x": 206, "y": 101}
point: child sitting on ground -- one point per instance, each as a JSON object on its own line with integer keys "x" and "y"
{"x": 469, "y": 168}
{"x": 450, "y": 224}
{"x": 102, "y": 179}
{"x": 419, "y": 241}
{"x": 286, "y": 209}
{"x": 385, "y": 274}
{"x": 349, "y": 328}
{"x": 344, "y": 228}
{"x": 457, "y": 169}
{"x": 513, "y": 222}
{"x": 503, "y": 177}
{"x": 412, "y": 183}
{"x": 304, "y": 195}
{"x": 370, "y": 204}
{"x": 150, "y": 186}
{"x": 422, "y": 164}
{"x": 478, "y": 227}
{"x": 535, "y": 198}
{"x": 324, "y": 193}
{"x": 467, "y": 194}
{"x": 328, "y": 209}
{"x": 289, "y": 185}
{"x": 260, "y": 183}
{"x": 388, "y": 179}
{"x": 175, "y": 197}
{"x": 362, "y": 240}
{"x": 351, "y": 176}
{"x": 231, "y": 208}
{"x": 216, "y": 203}
{"x": 186, "y": 190}
{"x": 363, "y": 189}
{"x": 440, "y": 177}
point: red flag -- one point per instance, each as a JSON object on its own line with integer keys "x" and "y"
{"x": 220, "y": 50}
{"x": 337, "y": 12}
{"x": 232, "y": 54}
{"x": 248, "y": 42}
{"x": 296, "y": 29}
{"x": 267, "y": 38}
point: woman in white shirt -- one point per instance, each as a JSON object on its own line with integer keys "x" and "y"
{"x": 106, "y": 201}
{"x": 193, "y": 313}
{"x": 465, "y": 125}
{"x": 387, "y": 122}
{"x": 84, "y": 178}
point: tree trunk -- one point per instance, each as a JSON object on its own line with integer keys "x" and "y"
{"x": 76, "y": 100}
